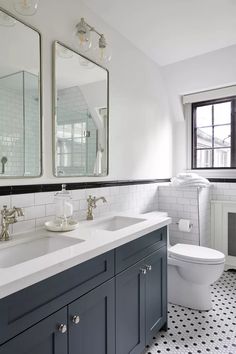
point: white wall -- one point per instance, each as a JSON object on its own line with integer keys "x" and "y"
{"x": 140, "y": 126}
{"x": 212, "y": 70}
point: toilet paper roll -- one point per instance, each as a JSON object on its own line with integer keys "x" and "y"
{"x": 185, "y": 225}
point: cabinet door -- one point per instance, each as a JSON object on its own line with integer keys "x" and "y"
{"x": 47, "y": 337}
{"x": 130, "y": 310}
{"x": 156, "y": 292}
{"x": 92, "y": 322}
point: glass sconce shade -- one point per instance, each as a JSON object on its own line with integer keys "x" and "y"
{"x": 85, "y": 40}
{"x": 26, "y": 7}
{"x": 103, "y": 55}
{"x": 82, "y": 37}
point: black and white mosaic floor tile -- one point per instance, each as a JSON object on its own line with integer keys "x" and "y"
{"x": 193, "y": 332}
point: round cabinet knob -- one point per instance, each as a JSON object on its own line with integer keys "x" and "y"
{"x": 62, "y": 328}
{"x": 143, "y": 271}
{"x": 149, "y": 267}
{"x": 76, "y": 319}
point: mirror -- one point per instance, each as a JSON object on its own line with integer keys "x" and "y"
{"x": 20, "y": 99}
{"x": 81, "y": 115}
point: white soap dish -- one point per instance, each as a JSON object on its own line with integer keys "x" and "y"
{"x": 61, "y": 227}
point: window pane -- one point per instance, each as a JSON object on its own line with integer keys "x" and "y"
{"x": 68, "y": 131}
{"x": 222, "y": 113}
{"x": 204, "y": 116}
{"x": 222, "y": 136}
{"x": 78, "y": 130}
{"x": 64, "y": 160}
{"x": 204, "y": 158}
{"x": 204, "y": 137}
{"x": 222, "y": 158}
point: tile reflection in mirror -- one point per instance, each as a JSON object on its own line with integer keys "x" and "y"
{"x": 20, "y": 99}
{"x": 81, "y": 115}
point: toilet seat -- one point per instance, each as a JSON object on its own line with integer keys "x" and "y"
{"x": 196, "y": 254}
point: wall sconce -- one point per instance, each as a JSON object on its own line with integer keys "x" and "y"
{"x": 26, "y": 7}
{"x": 84, "y": 42}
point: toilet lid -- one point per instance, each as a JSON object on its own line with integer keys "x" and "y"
{"x": 196, "y": 254}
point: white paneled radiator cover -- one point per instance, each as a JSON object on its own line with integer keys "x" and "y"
{"x": 223, "y": 230}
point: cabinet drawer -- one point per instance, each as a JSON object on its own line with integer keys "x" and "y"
{"x": 21, "y": 310}
{"x": 134, "y": 251}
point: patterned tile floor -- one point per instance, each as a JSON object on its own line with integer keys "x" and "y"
{"x": 193, "y": 332}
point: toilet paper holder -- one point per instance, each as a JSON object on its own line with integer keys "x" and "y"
{"x": 191, "y": 224}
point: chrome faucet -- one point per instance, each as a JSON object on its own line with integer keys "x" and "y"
{"x": 92, "y": 204}
{"x": 9, "y": 216}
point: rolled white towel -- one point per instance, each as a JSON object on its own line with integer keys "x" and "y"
{"x": 189, "y": 180}
{"x": 186, "y": 175}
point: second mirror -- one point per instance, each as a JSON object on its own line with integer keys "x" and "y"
{"x": 81, "y": 115}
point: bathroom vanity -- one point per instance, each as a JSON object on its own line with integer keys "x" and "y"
{"x": 111, "y": 303}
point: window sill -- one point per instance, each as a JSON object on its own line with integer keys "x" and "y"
{"x": 228, "y": 173}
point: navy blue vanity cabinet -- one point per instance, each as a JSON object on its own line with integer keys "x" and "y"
{"x": 91, "y": 321}
{"x": 130, "y": 310}
{"x": 26, "y": 307}
{"x": 112, "y": 304}
{"x": 156, "y": 293}
{"x": 141, "y": 292}
{"x": 49, "y": 336}
{"x": 132, "y": 252}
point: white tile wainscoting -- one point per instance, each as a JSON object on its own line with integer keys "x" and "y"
{"x": 187, "y": 203}
{"x": 178, "y": 202}
{"x": 40, "y": 207}
{"x": 224, "y": 191}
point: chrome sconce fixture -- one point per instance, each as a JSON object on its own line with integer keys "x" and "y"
{"x": 84, "y": 42}
{"x": 26, "y": 7}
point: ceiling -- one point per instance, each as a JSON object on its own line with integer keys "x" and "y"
{"x": 169, "y": 31}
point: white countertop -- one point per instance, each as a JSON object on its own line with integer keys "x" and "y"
{"x": 95, "y": 242}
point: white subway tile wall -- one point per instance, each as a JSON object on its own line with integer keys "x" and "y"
{"x": 187, "y": 203}
{"x": 20, "y": 124}
{"x": 73, "y": 119}
{"x": 224, "y": 191}
{"x": 178, "y": 202}
{"x": 205, "y": 216}
{"x": 40, "y": 207}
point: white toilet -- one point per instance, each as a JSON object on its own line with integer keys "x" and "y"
{"x": 191, "y": 271}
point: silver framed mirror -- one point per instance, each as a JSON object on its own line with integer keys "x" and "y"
{"x": 20, "y": 99}
{"x": 81, "y": 114}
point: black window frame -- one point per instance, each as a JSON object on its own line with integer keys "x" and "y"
{"x": 194, "y": 149}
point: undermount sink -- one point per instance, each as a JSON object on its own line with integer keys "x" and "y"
{"x": 115, "y": 223}
{"x": 33, "y": 248}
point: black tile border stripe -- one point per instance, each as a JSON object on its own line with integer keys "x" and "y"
{"x": 37, "y": 188}
{"x": 222, "y": 180}
{"x": 53, "y": 187}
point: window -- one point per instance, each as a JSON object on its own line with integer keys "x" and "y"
{"x": 214, "y": 134}
{"x": 71, "y": 145}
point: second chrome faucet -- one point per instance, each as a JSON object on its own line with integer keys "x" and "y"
{"x": 92, "y": 204}
{"x": 9, "y": 216}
